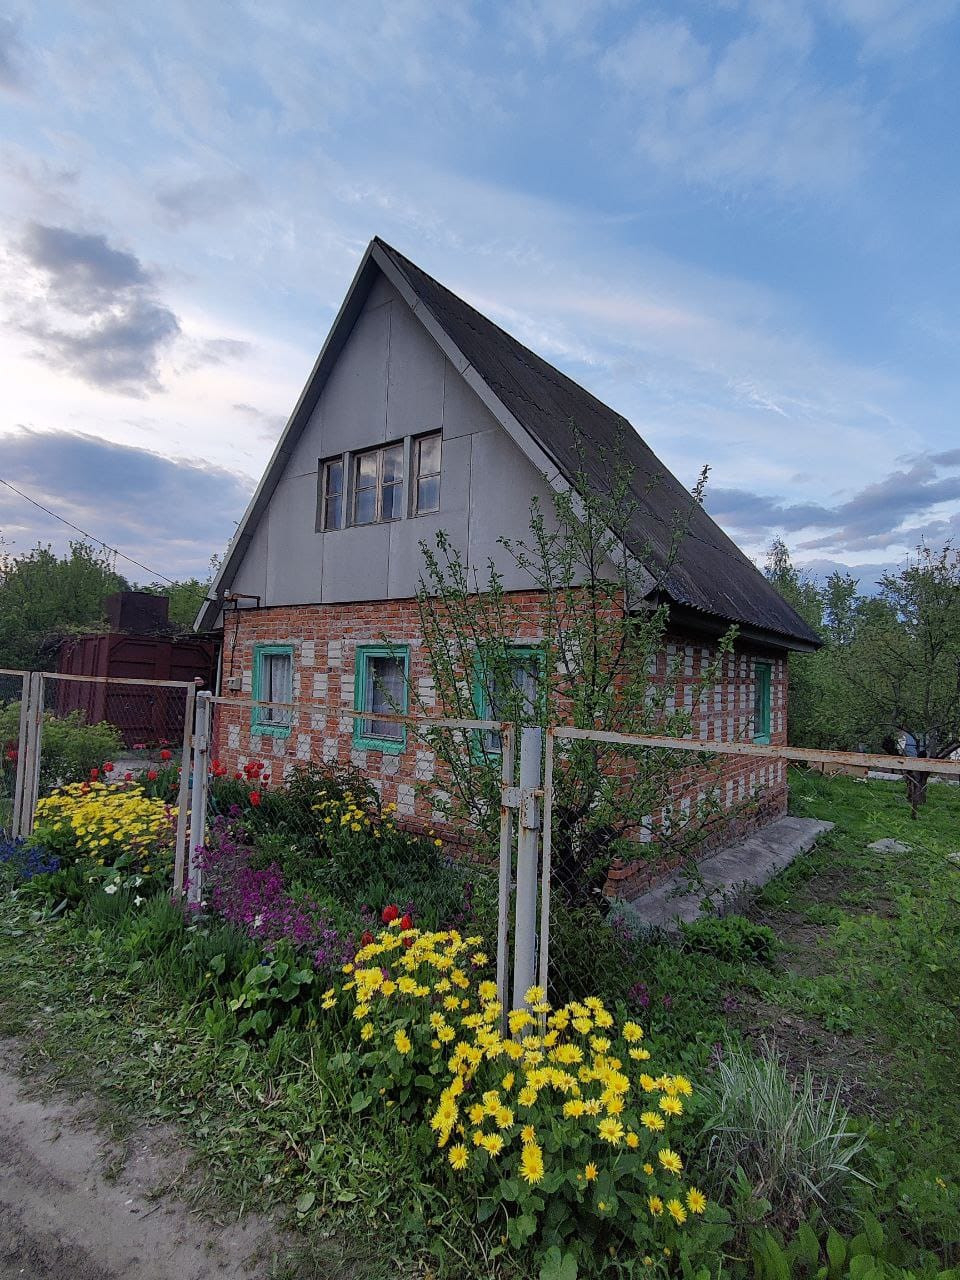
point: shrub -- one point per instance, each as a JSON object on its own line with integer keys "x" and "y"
{"x": 70, "y": 747}
{"x": 792, "y": 1141}
{"x": 562, "y": 1134}
{"x": 733, "y": 938}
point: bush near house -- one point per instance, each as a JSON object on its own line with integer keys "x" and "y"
{"x": 326, "y": 1056}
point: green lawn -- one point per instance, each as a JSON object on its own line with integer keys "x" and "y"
{"x": 868, "y": 987}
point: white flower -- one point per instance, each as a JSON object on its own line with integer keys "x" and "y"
{"x": 137, "y": 881}
{"x": 257, "y": 921}
{"x": 137, "y": 900}
{"x": 110, "y": 888}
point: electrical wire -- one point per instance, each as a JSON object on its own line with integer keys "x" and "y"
{"x": 76, "y": 528}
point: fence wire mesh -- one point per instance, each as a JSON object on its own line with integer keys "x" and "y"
{"x": 311, "y": 838}
{"x": 11, "y": 697}
{"x": 626, "y": 818}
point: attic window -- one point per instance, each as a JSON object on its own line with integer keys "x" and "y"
{"x": 332, "y": 494}
{"x": 378, "y": 485}
{"x": 426, "y": 495}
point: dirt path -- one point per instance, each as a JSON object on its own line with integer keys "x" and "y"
{"x": 70, "y": 1209}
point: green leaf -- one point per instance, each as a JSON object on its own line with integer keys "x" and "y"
{"x": 836, "y": 1253}
{"x": 306, "y": 1201}
{"x": 359, "y": 1102}
{"x": 558, "y": 1266}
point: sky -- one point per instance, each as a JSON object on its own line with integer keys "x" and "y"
{"x": 735, "y": 221}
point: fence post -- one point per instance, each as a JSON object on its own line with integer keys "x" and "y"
{"x": 525, "y": 926}
{"x": 27, "y": 784}
{"x": 507, "y": 759}
{"x": 545, "y": 885}
{"x": 183, "y": 798}
{"x": 198, "y": 800}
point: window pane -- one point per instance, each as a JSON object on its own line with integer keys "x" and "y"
{"x": 391, "y": 508}
{"x": 333, "y": 511}
{"x": 365, "y": 506}
{"x": 761, "y": 701}
{"x": 429, "y": 456}
{"x": 276, "y": 682}
{"x": 335, "y": 477}
{"x": 366, "y": 474}
{"x": 392, "y": 463}
{"x": 385, "y": 691}
{"x": 524, "y": 679}
{"x": 428, "y": 494}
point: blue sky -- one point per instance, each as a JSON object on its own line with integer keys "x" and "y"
{"x": 734, "y": 222}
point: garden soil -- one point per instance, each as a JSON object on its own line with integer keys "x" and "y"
{"x": 73, "y": 1207}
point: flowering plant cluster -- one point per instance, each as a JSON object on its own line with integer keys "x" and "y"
{"x": 257, "y": 901}
{"x": 112, "y": 824}
{"x": 23, "y": 860}
{"x": 554, "y": 1120}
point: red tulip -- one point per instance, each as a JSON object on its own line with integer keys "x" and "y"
{"x": 407, "y": 921}
{"x": 389, "y": 913}
{"x": 12, "y": 753}
{"x": 151, "y": 775}
{"x": 108, "y": 766}
{"x": 366, "y": 938}
{"x": 166, "y": 755}
{"x": 255, "y": 798}
{"x": 408, "y": 942}
{"x": 128, "y": 777}
{"x": 94, "y": 773}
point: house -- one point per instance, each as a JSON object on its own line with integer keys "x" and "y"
{"x": 422, "y": 415}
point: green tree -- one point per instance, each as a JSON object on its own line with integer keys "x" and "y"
{"x": 44, "y": 597}
{"x": 904, "y": 658}
{"x": 602, "y": 663}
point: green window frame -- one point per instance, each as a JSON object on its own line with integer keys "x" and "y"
{"x": 272, "y": 721}
{"x": 763, "y": 672}
{"x": 488, "y": 741}
{"x": 365, "y": 736}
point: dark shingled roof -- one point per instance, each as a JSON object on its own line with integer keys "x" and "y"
{"x": 710, "y": 575}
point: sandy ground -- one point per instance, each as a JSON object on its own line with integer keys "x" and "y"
{"x": 62, "y": 1218}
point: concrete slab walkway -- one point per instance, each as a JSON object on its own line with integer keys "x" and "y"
{"x": 726, "y": 875}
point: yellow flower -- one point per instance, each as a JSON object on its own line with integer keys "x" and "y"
{"x": 670, "y": 1160}
{"x": 503, "y": 1118}
{"x": 655, "y": 1205}
{"x": 672, "y": 1106}
{"x": 531, "y": 1163}
{"x": 590, "y": 1172}
{"x": 650, "y": 1120}
{"x": 696, "y": 1200}
{"x": 366, "y": 1031}
{"x": 458, "y": 1156}
{"x": 682, "y": 1085}
{"x": 402, "y": 1041}
{"x": 610, "y": 1130}
{"x": 492, "y": 1143}
{"x": 632, "y": 1031}
{"x": 648, "y": 1169}
{"x": 528, "y": 1133}
{"x": 677, "y": 1212}
{"x": 632, "y": 1140}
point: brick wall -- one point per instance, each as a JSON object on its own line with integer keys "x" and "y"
{"x": 325, "y": 639}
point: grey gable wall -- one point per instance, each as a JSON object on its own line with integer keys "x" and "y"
{"x": 391, "y": 380}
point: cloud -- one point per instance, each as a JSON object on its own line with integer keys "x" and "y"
{"x": 888, "y": 513}
{"x": 205, "y": 198}
{"x": 749, "y": 110}
{"x": 171, "y": 514}
{"x": 889, "y": 27}
{"x": 96, "y": 311}
{"x": 11, "y": 51}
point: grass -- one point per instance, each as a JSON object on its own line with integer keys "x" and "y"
{"x": 865, "y": 986}
{"x": 869, "y": 985}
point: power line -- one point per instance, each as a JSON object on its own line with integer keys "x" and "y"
{"x": 76, "y": 528}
